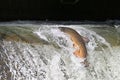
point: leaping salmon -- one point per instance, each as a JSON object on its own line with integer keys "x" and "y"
{"x": 78, "y": 43}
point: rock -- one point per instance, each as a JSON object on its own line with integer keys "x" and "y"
{"x": 23, "y": 34}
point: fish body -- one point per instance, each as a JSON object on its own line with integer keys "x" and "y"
{"x": 78, "y": 41}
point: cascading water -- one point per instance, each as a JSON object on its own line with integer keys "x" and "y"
{"x": 50, "y": 57}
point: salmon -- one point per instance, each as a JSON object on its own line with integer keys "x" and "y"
{"x": 78, "y": 41}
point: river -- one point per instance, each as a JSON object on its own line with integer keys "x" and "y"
{"x": 40, "y": 51}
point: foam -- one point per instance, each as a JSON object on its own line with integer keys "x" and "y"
{"x": 43, "y": 62}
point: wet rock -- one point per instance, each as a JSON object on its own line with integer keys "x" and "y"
{"x": 20, "y": 34}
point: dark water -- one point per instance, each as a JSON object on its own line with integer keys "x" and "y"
{"x": 35, "y": 51}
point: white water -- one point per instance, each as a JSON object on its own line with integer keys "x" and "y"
{"x": 47, "y": 62}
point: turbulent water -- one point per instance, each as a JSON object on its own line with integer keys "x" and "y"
{"x": 54, "y": 59}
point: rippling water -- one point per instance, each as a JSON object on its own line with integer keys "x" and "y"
{"x": 43, "y": 52}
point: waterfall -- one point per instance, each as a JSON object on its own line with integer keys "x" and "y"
{"x": 43, "y": 52}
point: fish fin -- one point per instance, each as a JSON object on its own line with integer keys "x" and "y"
{"x": 86, "y": 40}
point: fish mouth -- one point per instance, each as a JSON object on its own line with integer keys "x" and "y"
{"x": 61, "y": 28}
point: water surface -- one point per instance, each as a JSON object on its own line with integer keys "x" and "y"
{"x": 37, "y": 51}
